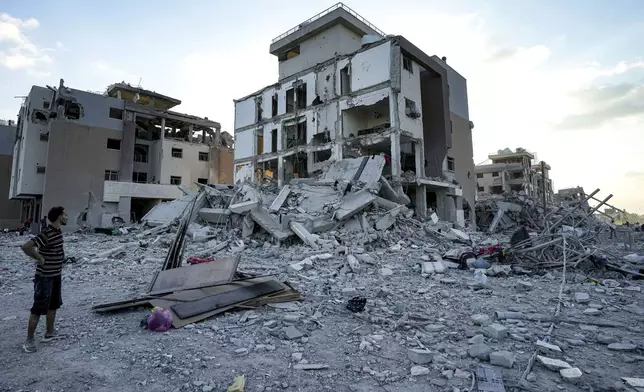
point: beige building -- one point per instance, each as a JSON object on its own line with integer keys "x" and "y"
{"x": 346, "y": 89}
{"x": 9, "y": 209}
{"x": 117, "y": 154}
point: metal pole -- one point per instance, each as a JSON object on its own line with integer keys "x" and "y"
{"x": 543, "y": 184}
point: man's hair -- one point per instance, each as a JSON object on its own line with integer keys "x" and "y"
{"x": 55, "y": 213}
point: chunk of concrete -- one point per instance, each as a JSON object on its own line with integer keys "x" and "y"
{"x": 304, "y": 235}
{"x": 280, "y": 199}
{"x": 495, "y": 331}
{"x": 481, "y": 319}
{"x": 476, "y": 339}
{"x": 215, "y": 215}
{"x": 552, "y": 364}
{"x": 434, "y": 218}
{"x": 353, "y": 262}
{"x": 386, "y": 271}
{"x": 240, "y": 208}
{"x": 292, "y": 333}
{"x": 268, "y": 223}
{"x": 634, "y": 382}
{"x": 460, "y": 234}
{"x": 387, "y": 220}
{"x": 502, "y": 358}
{"x": 582, "y": 298}
{"x": 420, "y": 356}
{"x": 353, "y": 204}
{"x": 480, "y": 351}
{"x": 419, "y": 371}
{"x": 548, "y": 348}
{"x": 571, "y": 375}
{"x": 622, "y": 346}
{"x": 310, "y": 366}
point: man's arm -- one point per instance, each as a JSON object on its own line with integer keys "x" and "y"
{"x": 30, "y": 250}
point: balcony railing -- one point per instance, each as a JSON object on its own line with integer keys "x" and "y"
{"x": 325, "y": 12}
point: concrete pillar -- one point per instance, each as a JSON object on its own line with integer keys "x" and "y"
{"x": 203, "y": 136}
{"x": 215, "y": 156}
{"x": 396, "y": 171}
{"x": 125, "y": 205}
{"x": 162, "y": 130}
{"x": 419, "y": 152}
{"x": 441, "y": 205}
{"x": 191, "y": 129}
{"x": 280, "y": 172}
{"x": 127, "y": 151}
{"x": 421, "y": 201}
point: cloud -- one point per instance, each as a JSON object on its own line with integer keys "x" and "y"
{"x": 605, "y": 103}
{"x": 16, "y": 50}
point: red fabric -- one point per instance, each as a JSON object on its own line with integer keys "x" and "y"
{"x": 387, "y": 159}
{"x": 199, "y": 260}
{"x": 489, "y": 250}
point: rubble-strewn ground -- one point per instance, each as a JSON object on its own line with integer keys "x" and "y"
{"x": 364, "y": 351}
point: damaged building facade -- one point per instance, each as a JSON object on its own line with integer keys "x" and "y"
{"x": 112, "y": 156}
{"x": 9, "y": 209}
{"x": 347, "y": 90}
{"x": 514, "y": 171}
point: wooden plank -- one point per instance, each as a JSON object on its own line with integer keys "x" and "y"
{"x": 196, "y": 276}
{"x": 240, "y": 294}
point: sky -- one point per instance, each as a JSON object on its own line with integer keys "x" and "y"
{"x": 564, "y": 79}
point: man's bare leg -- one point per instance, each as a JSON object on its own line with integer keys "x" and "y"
{"x": 51, "y": 318}
{"x": 31, "y": 327}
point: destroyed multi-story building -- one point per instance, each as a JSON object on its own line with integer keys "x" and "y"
{"x": 347, "y": 90}
{"x": 543, "y": 182}
{"x": 9, "y": 209}
{"x": 508, "y": 171}
{"x": 112, "y": 156}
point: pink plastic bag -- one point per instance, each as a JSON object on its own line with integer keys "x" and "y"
{"x": 160, "y": 320}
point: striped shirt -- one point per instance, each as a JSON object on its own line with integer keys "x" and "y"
{"x": 50, "y": 246}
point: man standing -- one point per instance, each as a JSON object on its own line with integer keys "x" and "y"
{"x": 49, "y": 256}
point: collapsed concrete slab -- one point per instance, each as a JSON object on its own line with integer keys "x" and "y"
{"x": 304, "y": 235}
{"x": 268, "y": 223}
{"x": 367, "y": 170}
{"x": 354, "y": 203}
{"x": 280, "y": 199}
{"x": 217, "y": 216}
{"x": 246, "y": 206}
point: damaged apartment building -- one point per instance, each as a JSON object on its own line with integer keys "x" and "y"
{"x": 514, "y": 171}
{"x": 347, "y": 90}
{"x": 110, "y": 157}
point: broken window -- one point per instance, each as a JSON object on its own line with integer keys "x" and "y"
{"x": 321, "y": 156}
{"x": 116, "y": 113}
{"x": 140, "y": 153}
{"x": 408, "y": 64}
{"x": 480, "y": 189}
{"x": 274, "y": 105}
{"x": 290, "y": 100}
{"x": 113, "y": 144}
{"x": 38, "y": 116}
{"x": 111, "y": 175}
{"x": 410, "y": 109}
{"x": 321, "y": 137}
{"x": 289, "y": 54}
{"x": 204, "y": 156}
{"x": 40, "y": 169}
{"x": 259, "y": 142}
{"x": 44, "y": 137}
{"x": 450, "y": 164}
{"x": 45, "y": 104}
{"x": 479, "y": 175}
{"x": 496, "y": 190}
{"x": 177, "y": 153}
{"x": 274, "y": 140}
{"x": 258, "y": 109}
{"x": 72, "y": 109}
{"x": 140, "y": 177}
{"x": 345, "y": 80}
{"x": 296, "y": 135}
{"x": 300, "y": 93}
{"x": 175, "y": 180}
{"x": 495, "y": 174}
{"x": 202, "y": 181}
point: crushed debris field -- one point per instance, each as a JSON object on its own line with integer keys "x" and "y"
{"x": 341, "y": 291}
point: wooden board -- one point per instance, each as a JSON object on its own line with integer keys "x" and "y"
{"x": 241, "y": 293}
{"x": 120, "y": 305}
{"x": 196, "y": 276}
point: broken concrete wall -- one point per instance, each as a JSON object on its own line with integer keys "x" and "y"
{"x": 80, "y": 157}
{"x": 243, "y": 173}
{"x": 353, "y": 121}
{"x": 435, "y": 127}
{"x": 9, "y": 209}
{"x": 96, "y": 109}
{"x": 368, "y": 68}
{"x": 410, "y": 100}
{"x": 225, "y": 167}
{"x": 244, "y": 144}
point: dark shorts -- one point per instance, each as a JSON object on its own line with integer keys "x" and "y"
{"x": 47, "y": 295}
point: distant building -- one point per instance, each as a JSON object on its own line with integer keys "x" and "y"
{"x": 117, "y": 154}
{"x": 9, "y": 209}
{"x": 346, "y": 89}
{"x": 509, "y": 171}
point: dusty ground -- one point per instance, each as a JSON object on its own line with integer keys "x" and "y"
{"x": 364, "y": 352}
